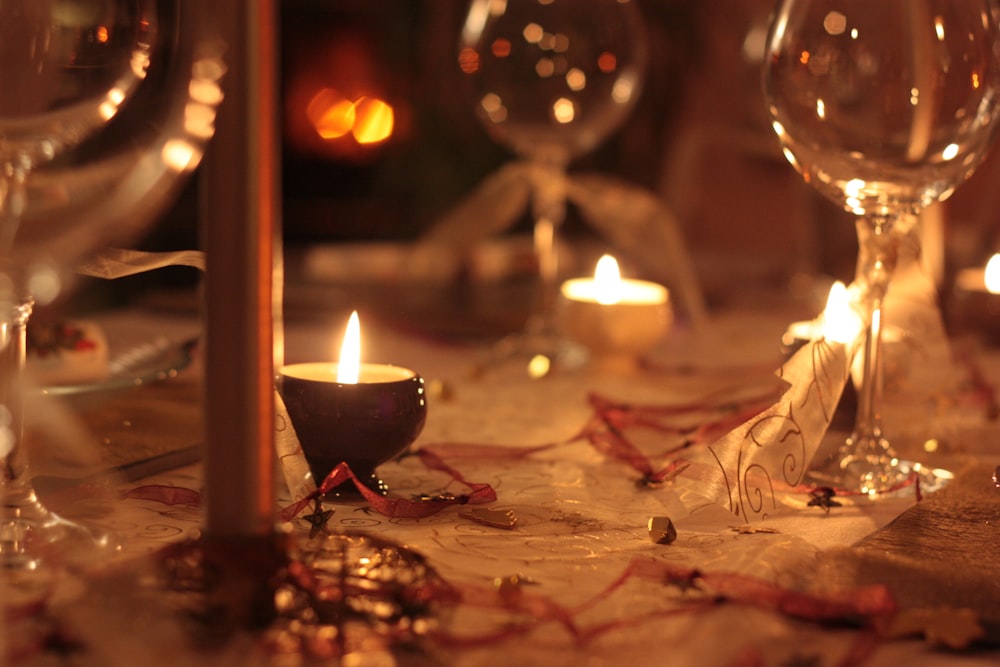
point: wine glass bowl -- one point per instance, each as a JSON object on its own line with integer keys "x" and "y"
{"x": 106, "y": 105}
{"x": 884, "y": 108}
{"x": 71, "y": 67}
{"x": 552, "y": 79}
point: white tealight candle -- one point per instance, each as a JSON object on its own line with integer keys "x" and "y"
{"x": 616, "y": 319}
{"x": 991, "y": 276}
{"x": 322, "y": 371}
{"x": 608, "y": 288}
{"x": 984, "y": 281}
{"x": 838, "y": 323}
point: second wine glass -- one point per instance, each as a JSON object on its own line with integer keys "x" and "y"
{"x": 885, "y": 108}
{"x": 551, "y": 79}
{"x": 107, "y": 106}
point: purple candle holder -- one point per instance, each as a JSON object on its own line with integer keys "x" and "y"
{"x": 363, "y": 424}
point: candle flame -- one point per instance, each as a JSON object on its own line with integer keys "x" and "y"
{"x": 993, "y": 274}
{"x": 607, "y": 281}
{"x": 349, "y": 367}
{"x": 841, "y": 323}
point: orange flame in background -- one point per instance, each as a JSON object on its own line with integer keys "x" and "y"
{"x": 373, "y": 122}
{"x": 334, "y": 103}
{"x": 330, "y": 114}
{"x": 368, "y": 120}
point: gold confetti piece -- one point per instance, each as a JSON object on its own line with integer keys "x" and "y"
{"x": 510, "y": 584}
{"x": 661, "y": 530}
{"x": 440, "y": 390}
{"x": 940, "y": 626}
{"x": 505, "y": 519}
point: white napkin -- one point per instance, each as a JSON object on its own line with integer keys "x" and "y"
{"x": 120, "y": 262}
{"x": 631, "y": 218}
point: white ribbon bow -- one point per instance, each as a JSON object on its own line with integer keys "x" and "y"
{"x": 634, "y": 220}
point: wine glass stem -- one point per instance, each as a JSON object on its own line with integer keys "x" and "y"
{"x": 14, "y": 313}
{"x": 13, "y": 187}
{"x": 13, "y": 330}
{"x": 868, "y": 422}
{"x": 548, "y": 208}
{"x": 878, "y": 252}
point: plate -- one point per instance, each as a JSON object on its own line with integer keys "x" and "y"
{"x": 150, "y": 362}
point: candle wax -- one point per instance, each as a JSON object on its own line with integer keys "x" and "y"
{"x": 631, "y": 291}
{"x": 327, "y": 372}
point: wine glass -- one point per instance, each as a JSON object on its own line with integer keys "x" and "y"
{"x": 106, "y": 105}
{"x": 551, "y": 79}
{"x": 885, "y": 108}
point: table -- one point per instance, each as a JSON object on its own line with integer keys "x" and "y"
{"x": 577, "y": 580}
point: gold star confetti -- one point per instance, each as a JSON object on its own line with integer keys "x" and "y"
{"x": 317, "y": 520}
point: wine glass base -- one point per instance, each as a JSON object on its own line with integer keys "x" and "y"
{"x": 868, "y": 466}
{"x": 32, "y": 538}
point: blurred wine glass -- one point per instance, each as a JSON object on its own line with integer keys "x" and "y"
{"x": 106, "y": 105}
{"x": 551, "y": 80}
{"x": 885, "y": 108}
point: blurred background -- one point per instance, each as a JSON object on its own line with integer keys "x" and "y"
{"x": 413, "y": 148}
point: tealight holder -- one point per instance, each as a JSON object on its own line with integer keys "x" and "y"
{"x": 364, "y": 424}
{"x": 616, "y": 335}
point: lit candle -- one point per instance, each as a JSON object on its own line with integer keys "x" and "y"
{"x": 982, "y": 280}
{"x": 363, "y": 414}
{"x": 617, "y": 320}
{"x": 838, "y": 323}
{"x": 977, "y": 297}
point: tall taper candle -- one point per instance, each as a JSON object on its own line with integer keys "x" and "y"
{"x": 240, "y": 229}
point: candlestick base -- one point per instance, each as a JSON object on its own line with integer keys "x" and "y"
{"x": 239, "y": 575}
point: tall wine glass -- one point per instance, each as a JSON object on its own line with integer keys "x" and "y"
{"x": 551, "y": 79}
{"x": 885, "y": 108}
{"x": 105, "y": 106}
